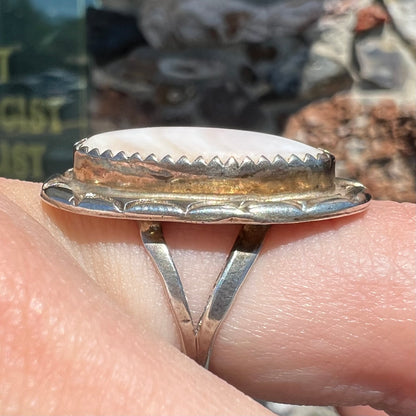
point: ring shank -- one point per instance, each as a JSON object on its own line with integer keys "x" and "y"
{"x": 197, "y": 339}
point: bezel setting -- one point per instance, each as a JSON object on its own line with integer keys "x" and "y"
{"x": 268, "y": 190}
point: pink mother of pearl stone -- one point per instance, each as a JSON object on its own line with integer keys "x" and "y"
{"x": 194, "y": 142}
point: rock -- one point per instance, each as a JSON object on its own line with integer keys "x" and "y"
{"x": 114, "y": 110}
{"x": 121, "y": 6}
{"x": 198, "y": 22}
{"x": 287, "y": 69}
{"x": 186, "y": 87}
{"x": 328, "y": 69}
{"x": 323, "y": 76}
{"x": 403, "y": 14}
{"x": 371, "y": 17}
{"x": 111, "y": 34}
{"x": 381, "y": 62}
{"x": 132, "y": 75}
{"x": 293, "y": 17}
{"x": 332, "y": 36}
{"x": 373, "y": 141}
{"x": 188, "y": 68}
{"x": 229, "y": 106}
{"x": 342, "y": 7}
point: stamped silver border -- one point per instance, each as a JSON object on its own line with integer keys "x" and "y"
{"x": 65, "y": 192}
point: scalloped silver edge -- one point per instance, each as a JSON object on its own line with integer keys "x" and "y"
{"x": 215, "y": 162}
{"x": 64, "y": 192}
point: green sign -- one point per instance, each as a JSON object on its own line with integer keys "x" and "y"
{"x": 42, "y": 85}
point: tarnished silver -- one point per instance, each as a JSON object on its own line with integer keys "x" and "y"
{"x": 265, "y": 191}
{"x": 255, "y": 192}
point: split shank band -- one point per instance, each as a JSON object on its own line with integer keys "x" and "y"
{"x": 190, "y": 174}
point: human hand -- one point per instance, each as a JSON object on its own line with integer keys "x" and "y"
{"x": 326, "y": 316}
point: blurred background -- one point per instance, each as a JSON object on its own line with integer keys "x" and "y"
{"x": 337, "y": 74}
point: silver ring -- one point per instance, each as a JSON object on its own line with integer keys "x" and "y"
{"x": 203, "y": 175}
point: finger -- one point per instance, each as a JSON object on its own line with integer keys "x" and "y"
{"x": 65, "y": 349}
{"x": 326, "y": 315}
{"x": 361, "y": 411}
{"x": 330, "y": 312}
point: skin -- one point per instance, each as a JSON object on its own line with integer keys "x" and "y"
{"x": 326, "y": 316}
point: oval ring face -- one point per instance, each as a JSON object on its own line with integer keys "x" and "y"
{"x": 197, "y": 142}
{"x": 192, "y": 174}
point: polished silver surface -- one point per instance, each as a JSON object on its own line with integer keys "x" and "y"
{"x": 344, "y": 198}
{"x": 197, "y": 339}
